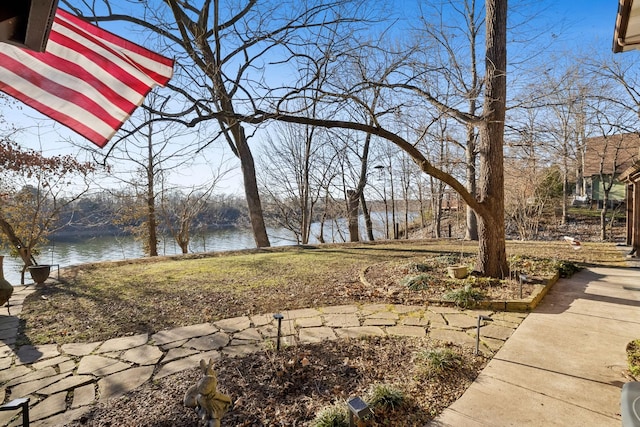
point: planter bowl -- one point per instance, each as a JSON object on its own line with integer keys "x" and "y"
{"x": 458, "y": 271}
{"x": 39, "y": 273}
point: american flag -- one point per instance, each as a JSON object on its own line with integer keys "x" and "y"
{"x": 88, "y": 79}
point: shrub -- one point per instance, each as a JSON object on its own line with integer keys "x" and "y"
{"x": 385, "y": 397}
{"x": 633, "y": 358}
{"x": 417, "y": 267}
{"x": 438, "y": 361}
{"x": 464, "y": 298}
{"x": 567, "y": 268}
{"x": 332, "y": 416}
{"x": 419, "y": 282}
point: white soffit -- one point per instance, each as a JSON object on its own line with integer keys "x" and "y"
{"x": 627, "y": 31}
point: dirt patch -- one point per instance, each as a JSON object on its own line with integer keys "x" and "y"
{"x": 288, "y": 388}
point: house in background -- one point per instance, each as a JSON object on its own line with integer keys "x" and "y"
{"x": 606, "y": 158}
{"x": 631, "y": 177}
{"x": 626, "y": 37}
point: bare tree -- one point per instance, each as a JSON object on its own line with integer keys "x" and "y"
{"x": 152, "y": 152}
{"x": 296, "y": 162}
{"x": 180, "y": 210}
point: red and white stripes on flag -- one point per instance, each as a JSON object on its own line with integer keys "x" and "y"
{"x": 88, "y": 79}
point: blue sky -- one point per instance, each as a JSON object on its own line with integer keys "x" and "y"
{"x": 588, "y": 20}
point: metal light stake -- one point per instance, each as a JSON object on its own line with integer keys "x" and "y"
{"x": 480, "y": 317}
{"x": 523, "y": 278}
{"x": 279, "y": 318}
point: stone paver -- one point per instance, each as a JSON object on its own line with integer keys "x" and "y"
{"x": 183, "y": 333}
{"x": 83, "y": 396}
{"x": 368, "y": 309}
{"x": 452, "y": 335}
{"x": 9, "y": 323}
{"x": 261, "y": 319}
{"x": 80, "y": 349}
{"x": 490, "y": 344}
{"x": 29, "y": 354}
{"x": 210, "y": 342}
{"x": 271, "y": 330}
{"x": 178, "y": 353}
{"x": 5, "y": 362}
{"x": 248, "y": 334}
{"x": 379, "y": 322}
{"x": 360, "y": 332}
{"x": 301, "y": 313}
{"x": 461, "y": 320}
{"x": 125, "y": 343}
{"x": 67, "y": 366}
{"x": 496, "y": 331}
{"x": 51, "y": 405}
{"x": 340, "y": 309}
{"x": 309, "y": 322}
{"x": 315, "y": 335}
{"x": 407, "y": 331}
{"x": 9, "y": 374}
{"x": 50, "y": 362}
{"x": 384, "y": 315}
{"x": 100, "y": 365}
{"x": 143, "y": 355}
{"x": 241, "y": 350}
{"x": 415, "y": 321}
{"x": 234, "y": 324}
{"x": 403, "y": 309}
{"x": 67, "y": 383}
{"x": 442, "y": 309}
{"x": 341, "y": 320}
{"x": 119, "y": 384}
{"x": 63, "y": 418}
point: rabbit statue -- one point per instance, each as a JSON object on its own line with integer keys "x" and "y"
{"x": 205, "y": 398}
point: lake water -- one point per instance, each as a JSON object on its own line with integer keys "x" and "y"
{"x": 109, "y": 248}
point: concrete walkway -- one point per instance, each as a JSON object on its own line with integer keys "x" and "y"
{"x": 564, "y": 365}
{"x": 64, "y": 381}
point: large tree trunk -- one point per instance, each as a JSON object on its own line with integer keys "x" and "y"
{"x": 152, "y": 223}
{"x": 492, "y": 258}
{"x": 251, "y": 189}
{"x": 353, "y": 201}
{"x": 367, "y": 217}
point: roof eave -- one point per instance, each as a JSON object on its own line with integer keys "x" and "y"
{"x": 622, "y": 41}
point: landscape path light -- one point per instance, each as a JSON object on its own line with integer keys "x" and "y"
{"x": 358, "y": 409}
{"x": 279, "y": 318}
{"x": 480, "y": 317}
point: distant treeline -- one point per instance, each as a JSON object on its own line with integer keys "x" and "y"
{"x": 110, "y": 214}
